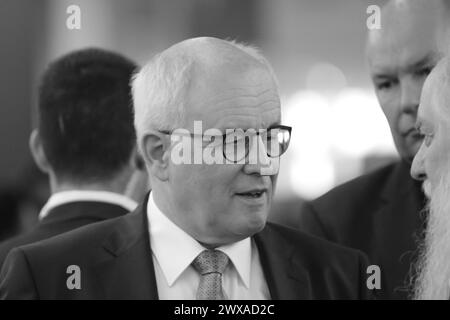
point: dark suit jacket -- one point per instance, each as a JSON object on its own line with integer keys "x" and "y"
{"x": 115, "y": 261}
{"x": 379, "y": 214}
{"x": 61, "y": 219}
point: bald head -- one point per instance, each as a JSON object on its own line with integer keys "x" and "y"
{"x": 401, "y": 54}
{"x": 212, "y": 54}
{"x": 404, "y": 21}
{"x": 164, "y": 88}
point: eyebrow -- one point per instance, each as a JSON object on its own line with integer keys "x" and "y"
{"x": 430, "y": 58}
{"x": 274, "y": 124}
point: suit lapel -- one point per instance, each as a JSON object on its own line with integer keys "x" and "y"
{"x": 127, "y": 270}
{"x": 285, "y": 276}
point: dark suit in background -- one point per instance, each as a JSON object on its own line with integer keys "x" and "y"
{"x": 379, "y": 214}
{"x": 61, "y": 219}
{"x": 115, "y": 260}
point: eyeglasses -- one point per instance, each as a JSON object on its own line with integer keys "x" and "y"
{"x": 236, "y": 144}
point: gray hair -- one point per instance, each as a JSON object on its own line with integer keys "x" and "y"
{"x": 159, "y": 89}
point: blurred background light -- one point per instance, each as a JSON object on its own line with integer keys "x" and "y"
{"x": 359, "y": 126}
{"x": 326, "y": 78}
{"x": 334, "y": 132}
{"x": 311, "y": 168}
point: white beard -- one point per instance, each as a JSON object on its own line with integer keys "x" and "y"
{"x": 433, "y": 267}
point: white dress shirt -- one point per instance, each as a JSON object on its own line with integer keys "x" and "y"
{"x": 173, "y": 251}
{"x": 64, "y": 197}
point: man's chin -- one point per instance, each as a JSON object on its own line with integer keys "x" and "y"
{"x": 254, "y": 226}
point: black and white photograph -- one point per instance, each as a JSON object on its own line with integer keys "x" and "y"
{"x": 239, "y": 151}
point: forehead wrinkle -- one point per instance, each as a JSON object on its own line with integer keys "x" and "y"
{"x": 249, "y": 110}
{"x": 265, "y": 106}
{"x": 382, "y": 62}
{"x": 233, "y": 93}
{"x": 246, "y": 121}
{"x": 244, "y": 105}
{"x": 239, "y": 113}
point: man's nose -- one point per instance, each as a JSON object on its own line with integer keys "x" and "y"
{"x": 258, "y": 162}
{"x": 417, "y": 167}
{"x": 410, "y": 95}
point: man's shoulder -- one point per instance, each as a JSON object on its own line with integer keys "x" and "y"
{"x": 314, "y": 248}
{"x": 359, "y": 192}
{"x": 364, "y": 184}
{"x": 38, "y": 269}
{"x": 74, "y": 243}
{"x": 20, "y": 240}
{"x": 335, "y": 272}
{"x": 65, "y": 219}
{"x": 39, "y": 233}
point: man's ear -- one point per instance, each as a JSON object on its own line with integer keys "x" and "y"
{"x": 155, "y": 150}
{"x": 37, "y": 151}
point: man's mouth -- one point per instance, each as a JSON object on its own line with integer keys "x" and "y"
{"x": 252, "y": 194}
{"x": 412, "y": 133}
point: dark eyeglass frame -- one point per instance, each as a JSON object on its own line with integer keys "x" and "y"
{"x": 257, "y": 133}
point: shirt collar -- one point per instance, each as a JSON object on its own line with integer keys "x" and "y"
{"x": 166, "y": 238}
{"x": 64, "y": 197}
{"x": 240, "y": 254}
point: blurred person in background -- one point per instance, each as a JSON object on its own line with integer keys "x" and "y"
{"x": 201, "y": 233}
{"x": 380, "y": 212}
{"x": 85, "y": 143}
{"x": 21, "y": 201}
{"x": 431, "y": 166}
{"x": 9, "y": 219}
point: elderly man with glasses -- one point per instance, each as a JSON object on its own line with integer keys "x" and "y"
{"x": 208, "y": 124}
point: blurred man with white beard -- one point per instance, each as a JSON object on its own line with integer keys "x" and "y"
{"x": 432, "y": 166}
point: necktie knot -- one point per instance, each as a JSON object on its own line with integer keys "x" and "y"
{"x": 210, "y": 264}
{"x": 210, "y": 261}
